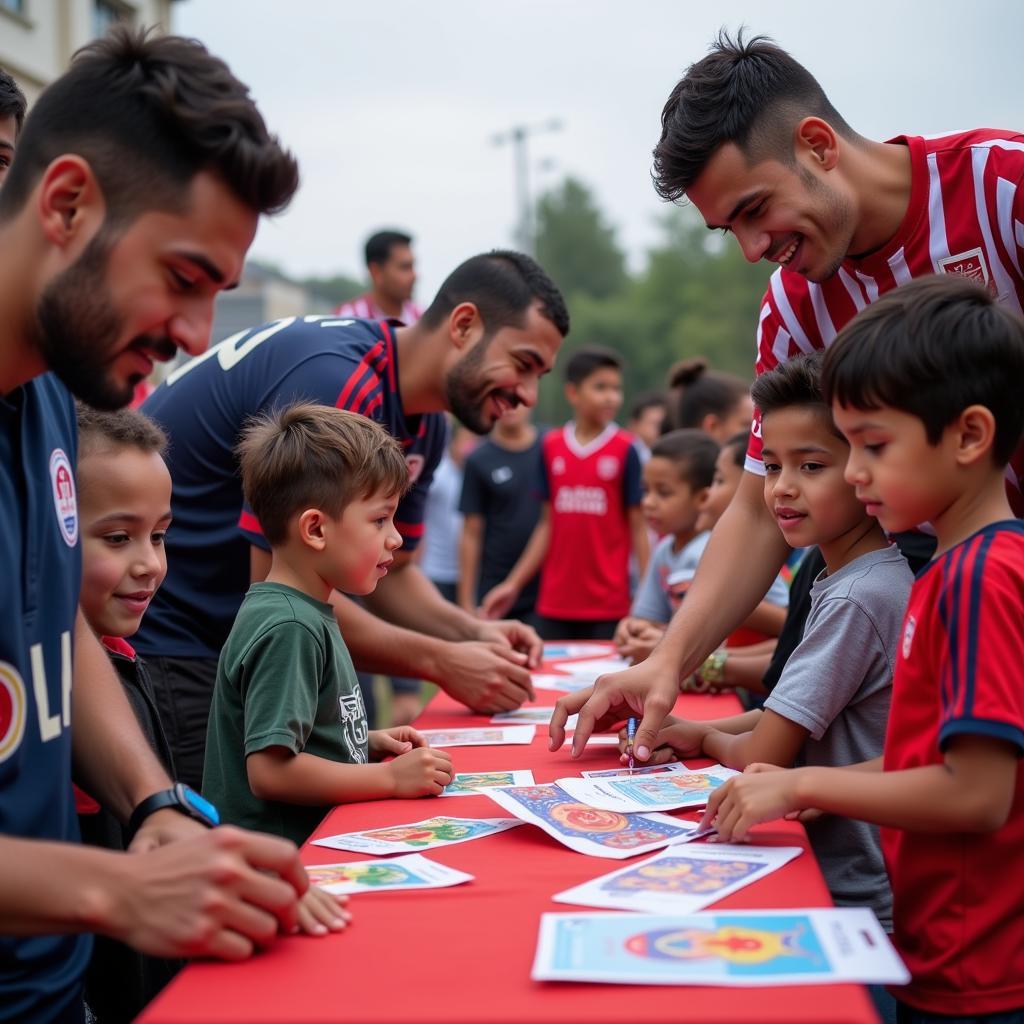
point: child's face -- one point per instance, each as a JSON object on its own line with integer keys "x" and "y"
{"x": 598, "y": 397}
{"x": 901, "y": 478}
{"x": 363, "y": 543}
{"x": 670, "y": 505}
{"x": 723, "y": 487}
{"x": 125, "y": 507}
{"x": 804, "y": 486}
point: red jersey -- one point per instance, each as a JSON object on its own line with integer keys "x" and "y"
{"x": 590, "y": 488}
{"x": 965, "y": 216}
{"x": 958, "y": 899}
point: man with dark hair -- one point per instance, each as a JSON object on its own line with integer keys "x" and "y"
{"x": 749, "y": 137}
{"x": 646, "y": 420}
{"x": 12, "y": 116}
{"x": 392, "y": 269}
{"x": 135, "y": 194}
{"x": 479, "y": 351}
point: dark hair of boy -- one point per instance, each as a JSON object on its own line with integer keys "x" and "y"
{"x": 931, "y": 348}
{"x": 379, "y": 245}
{"x": 148, "y": 113}
{"x": 748, "y": 92}
{"x": 585, "y": 361}
{"x": 701, "y": 391}
{"x": 648, "y": 400}
{"x": 313, "y": 456}
{"x": 796, "y": 382}
{"x": 12, "y": 100}
{"x": 737, "y": 444}
{"x": 126, "y": 428}
{"x": 693, "y": 452}
{"x": 503, "y": 285}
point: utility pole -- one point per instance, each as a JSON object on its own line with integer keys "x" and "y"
{"x": 519, "y": 136}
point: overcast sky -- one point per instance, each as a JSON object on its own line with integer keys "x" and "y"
{"x": 391, "y": 106}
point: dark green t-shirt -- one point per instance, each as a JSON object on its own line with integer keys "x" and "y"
{"x": 284, "y": 679}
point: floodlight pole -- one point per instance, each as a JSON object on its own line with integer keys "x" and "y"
{"x": 519, "y": 136}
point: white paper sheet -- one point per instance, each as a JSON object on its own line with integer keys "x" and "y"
{"x": 418, "y": 836}
{"x": 660, "y": 792}
{"x": 560, "y": 684}
{"x": 588, "y": 830}
{"x": 756, "y": 947}
{"x": 409, "y": 872}
{"x": 470, "y": 783}
{"x": 557, "y": 651}
{"x": 536, "y": 715}
{"x": 479, "y": 737}
{"x": 632, "y": 773}
{"x": 680, "y": 880}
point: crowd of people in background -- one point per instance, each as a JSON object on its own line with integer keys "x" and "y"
{"x": 219, "y": 575}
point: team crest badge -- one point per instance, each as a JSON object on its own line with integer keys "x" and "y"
{"x": 607, "y": 467}
{"x": 12, "y": 710}
{"x": 908, "y": 635}
{"x": 970, "y": 264}
{"x": 557, "y": 465}
{"x": 64, "y": 501}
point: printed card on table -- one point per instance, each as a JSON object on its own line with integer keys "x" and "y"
{"x": 418, "y": 836}
{"x": 630, "y": 773}
{"x": 680, "y": 881}
{"x": 409, "y": 872}
{"x": 538, "y": 716}
{"x": 479, "y": 737}
{"x": 555, "y": 652}
{"x": 558, "y": 683}
{"x": 758, "y": 947}
{"x": 470, "y": 783}
{"x": 659, "y": 792}
{"x": 589, "y": 830}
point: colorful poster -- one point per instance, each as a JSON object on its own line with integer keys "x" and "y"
{"x": 409, "y": 872}
{"x": 758, "y": 947}
{"x": 538, "y": 716}
{"x": 555, "y": 652}
{"x": 589, "y": 830}
{"x": 470, "y": 783}
{"x": 479, "y": 737}
{"x": 643, "y": 769}
{"x": 418, "y": 836}
{"x": 680, "y": 881}
{"x": 659, "y": 792}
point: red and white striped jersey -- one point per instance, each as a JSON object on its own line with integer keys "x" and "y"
{"x": 365, "y": 308}
{"x": 965, "y": 216}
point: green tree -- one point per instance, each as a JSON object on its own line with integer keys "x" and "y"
{"x": 338, "y": 289}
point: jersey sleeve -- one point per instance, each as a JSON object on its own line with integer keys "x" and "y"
{"x": 276, "y": 715}
{"x": 651, "y": 601}
{"x": 632, "y": 489}
{"x": 412, "y": 507}
{"x": 472, "y": 499}
{"x": 983, "y": 650}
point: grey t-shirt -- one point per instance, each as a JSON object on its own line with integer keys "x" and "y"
{"x": 837, "y": 685}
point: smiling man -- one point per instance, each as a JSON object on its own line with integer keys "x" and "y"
{"x": 750, "y": 138}
{"x": 494, "y": 328}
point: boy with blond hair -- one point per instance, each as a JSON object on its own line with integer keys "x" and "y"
{"x": 288, "y": 737}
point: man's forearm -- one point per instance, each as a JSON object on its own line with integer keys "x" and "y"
{"x": 407, "y": 598}
{"x": 743, "y": 557}
{"x": 533, "y": 554}
{"x": 113, "y": 760}
{"x": 469, "y": 562}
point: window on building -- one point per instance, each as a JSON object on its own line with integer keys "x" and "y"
{"x": 14, "y": 6}
{"x": 106, "y": 13}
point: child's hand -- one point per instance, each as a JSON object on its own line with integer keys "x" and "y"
{"x": 750, "y": 798}
{"x": 807, "y": 814}
{"x": 395, "y": 741}
{"x": 424, "y": 771}
{"x": 661, "y": 754}
{"x": 680, "y": 739}
{"x": 498, "y": 600}
{"x": 640, "y": 643}
{"x": 321, "y": 912}
{"x": 623, "y": 631}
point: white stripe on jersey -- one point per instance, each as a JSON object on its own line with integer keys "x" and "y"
{"x": 853, "y": 288}
{"x": 1004, "y": 286}
{"x": 898, "y": 265}
{"x": 826, "y": 328}
{"x": 1006, "y": 192}
{"x": 869, "y": 286}
{"x": 998, "y": 144}
{"x": 780, "y": 345}
{"x": 946, "y": 135}
{"x": 788, "y": 316}
{"x": 766, "y": 311}
{"x": 1018, "y": 233}
{"x": 938, "y": 248}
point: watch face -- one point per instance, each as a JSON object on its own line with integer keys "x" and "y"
{"x": 200, "y": 806}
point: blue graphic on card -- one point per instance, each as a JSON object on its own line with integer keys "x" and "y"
{"x": 680, "y": 874}
{"x": 720, "y": 945}
{"x": 668, "y": 787}
{"x": 607, "y": 828}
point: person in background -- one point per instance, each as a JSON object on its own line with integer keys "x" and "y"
{"x": 12, "y": 117}
{"x": 500, "y": 506}
{"x": 717, "y": 403}
{"x": 646, "y": 420}
{"x": 392, "y": 269}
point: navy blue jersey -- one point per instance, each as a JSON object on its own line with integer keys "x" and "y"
{"x": 203, "y": 406}
{"x": 40, "y": 575}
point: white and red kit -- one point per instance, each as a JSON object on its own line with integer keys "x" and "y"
{"x": 590, "y": 488}
{"x": 364, "y": 308}
{"x": 965, "y": 216}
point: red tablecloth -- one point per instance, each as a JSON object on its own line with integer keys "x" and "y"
{"x": 462, "y": 955}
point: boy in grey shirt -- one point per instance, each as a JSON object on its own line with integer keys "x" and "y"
{"x": 831, "y": 704}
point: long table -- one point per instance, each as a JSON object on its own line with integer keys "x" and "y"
{"x": 462, "y": 955}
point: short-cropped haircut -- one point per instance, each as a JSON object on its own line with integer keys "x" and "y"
{"x": 931, "y": 348}
{"x": 315, "y": 456}
{"x": 796, "y": 382}
{"x": 585, "y": 361}
{"x": 693, "y": 452}
{"x": 126, "y": 428}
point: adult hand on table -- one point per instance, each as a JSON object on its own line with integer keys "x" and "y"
{"x": 518, "y": 635}
{"x": 647, "y": 691}
{"x": 486, "y": 677}
{"x": 163, "y": 827}
{"x": 218, "y": 894}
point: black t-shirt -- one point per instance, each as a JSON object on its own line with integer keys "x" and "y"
{"x": 501, "y": 486}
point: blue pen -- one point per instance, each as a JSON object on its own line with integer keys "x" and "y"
{"x": 630, "y": 733}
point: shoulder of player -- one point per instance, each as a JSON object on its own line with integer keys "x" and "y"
{"x": 973, "y": 138}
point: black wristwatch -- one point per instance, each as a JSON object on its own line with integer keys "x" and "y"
{"x": 183, "y": 799}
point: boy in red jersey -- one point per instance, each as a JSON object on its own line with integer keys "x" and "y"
{"x": 925, "y": 385}
{"x": 591, "y": 518}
